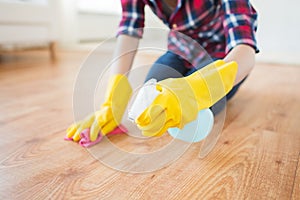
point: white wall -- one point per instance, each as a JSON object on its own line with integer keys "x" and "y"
{"x": 100, "y": 25}
{"x": 66, "y": 22}
{"x": 279, "y": 30}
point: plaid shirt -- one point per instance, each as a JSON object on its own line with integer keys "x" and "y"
{"x": 216, "y": 25}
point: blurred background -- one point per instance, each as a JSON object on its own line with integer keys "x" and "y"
{"x": 82, "y": 24}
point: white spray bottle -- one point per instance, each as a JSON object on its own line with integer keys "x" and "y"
{"x": 194, "y": 131}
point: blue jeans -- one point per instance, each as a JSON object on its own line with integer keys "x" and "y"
{"x": 171, "y": 65}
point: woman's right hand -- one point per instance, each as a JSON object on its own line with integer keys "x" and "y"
{"x": 110, "y": 114}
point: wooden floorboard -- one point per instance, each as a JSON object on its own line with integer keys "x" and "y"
{"x": 256, "y": 157}
{"x": 296, "y": 190}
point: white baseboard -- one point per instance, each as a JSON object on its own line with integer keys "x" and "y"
{"x": 279, "y": 58}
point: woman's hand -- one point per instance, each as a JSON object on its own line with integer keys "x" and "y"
{"x": 180, "y": 99}
{"x": 110, "y": 114}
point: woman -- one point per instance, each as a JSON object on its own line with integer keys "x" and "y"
{"x": 224, "y": 28}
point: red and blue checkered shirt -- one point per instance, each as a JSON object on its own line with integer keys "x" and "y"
{"x": 217, "y": 25}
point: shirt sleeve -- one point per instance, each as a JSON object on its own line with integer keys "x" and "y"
{"x": 240, "y": 23}
{"x": 132, "y": 22}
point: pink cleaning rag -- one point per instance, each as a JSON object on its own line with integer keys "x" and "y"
{"x": 85, "y": 136}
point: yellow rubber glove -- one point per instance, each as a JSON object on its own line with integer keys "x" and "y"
{"x": 181, "y": 99}
{"x": 110, "y": 114}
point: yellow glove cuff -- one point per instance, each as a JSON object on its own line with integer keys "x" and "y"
{"x": 118, "y": 83}
{"x": 212, "y": 82}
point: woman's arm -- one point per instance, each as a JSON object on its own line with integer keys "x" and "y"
{"x": 244, "y": 55}
{"x": 124, "y": 54}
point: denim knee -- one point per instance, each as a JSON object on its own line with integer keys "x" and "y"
{"x": 168, "y": 65}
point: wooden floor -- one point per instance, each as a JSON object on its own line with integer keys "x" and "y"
{"x": 257, "y": 156}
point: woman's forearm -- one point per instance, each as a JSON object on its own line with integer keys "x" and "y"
{"x": 244, "y": 55}
{"x": 124, "y": 54}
